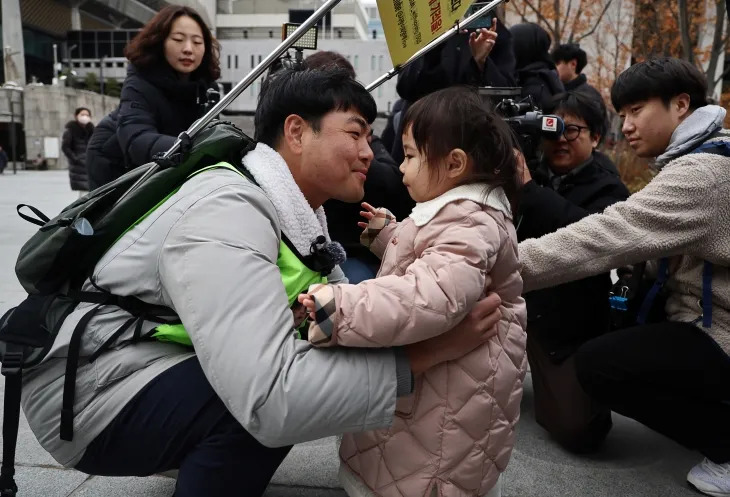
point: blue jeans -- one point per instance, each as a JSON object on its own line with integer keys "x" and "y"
{"x": 357, "y": 270}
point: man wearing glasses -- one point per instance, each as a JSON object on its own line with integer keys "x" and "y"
{"x": 572, "y": 181}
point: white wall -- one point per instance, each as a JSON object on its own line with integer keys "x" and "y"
{"x": 370, "y": 59}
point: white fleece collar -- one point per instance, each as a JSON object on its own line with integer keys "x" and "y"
{"x": 424, "y": 212}
{"x": 299, "y": 222}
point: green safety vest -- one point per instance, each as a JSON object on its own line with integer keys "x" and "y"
{"x": 295, "y": 275}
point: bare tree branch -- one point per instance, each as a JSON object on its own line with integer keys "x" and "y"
{"x": 718, "y": 41}
{"x": 598, "y": 21}
{"x": 540, "y": 16}
{"x": 567, "y": 16}
{"x": 558, "y": 31}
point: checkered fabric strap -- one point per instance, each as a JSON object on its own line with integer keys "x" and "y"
{"x": 382, "y": 218}
{"x": 321, "y": 330}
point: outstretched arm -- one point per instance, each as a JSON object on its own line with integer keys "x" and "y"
{"x": 434, "y": 294}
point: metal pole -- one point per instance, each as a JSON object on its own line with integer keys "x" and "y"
{"x": 101, "y": 83}
{"x": 240, "y": 87}
{"x": 438, "y": 41}
{"x": 55, "y": 64}
{"x": 12, "y": 132}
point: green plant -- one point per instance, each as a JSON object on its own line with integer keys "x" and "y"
{"x": 91, "y": 81}
{"x": 112, "y": 87}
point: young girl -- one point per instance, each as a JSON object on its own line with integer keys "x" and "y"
{"x": 454, "y": 435}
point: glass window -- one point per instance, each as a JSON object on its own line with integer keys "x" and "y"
{"x": 372, "y": 62}
{"x": 229, "y": 61}
{"x": 236, "y": 65}
{"x": 356, "y": 64}
{"x": 253, "y": 62}
{"x": 380, "y": 63}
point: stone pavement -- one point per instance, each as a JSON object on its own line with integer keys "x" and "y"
{"x": 635, "y": 462}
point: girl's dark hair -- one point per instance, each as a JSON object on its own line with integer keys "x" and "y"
{"x": 458, "y": 117}
{"x": 80, "y": 110}
{"x": 147, "y": 49}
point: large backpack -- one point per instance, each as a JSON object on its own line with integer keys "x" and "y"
{"x": 56, "y": 261}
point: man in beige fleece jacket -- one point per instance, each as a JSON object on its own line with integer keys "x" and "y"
{"x": 673, "y": 376}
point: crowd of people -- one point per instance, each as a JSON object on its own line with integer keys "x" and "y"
{"x": 455, "y": 261}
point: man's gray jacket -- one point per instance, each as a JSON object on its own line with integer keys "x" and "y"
{"x": 209, "y": 253}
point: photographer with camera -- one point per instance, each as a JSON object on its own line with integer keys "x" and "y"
{"x": 672, "y": 373}
{"x": 476, "y": 57}
{"x": 566, "y": 186}
{"x": 173, "y": 68}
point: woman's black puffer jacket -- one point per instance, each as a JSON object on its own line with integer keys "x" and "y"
{"x": 75, "y": 139}
{"x": 155, "y": 107}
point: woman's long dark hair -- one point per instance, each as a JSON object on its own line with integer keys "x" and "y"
{"x": 147, "y": 49}
{"x": 458, "y": 117}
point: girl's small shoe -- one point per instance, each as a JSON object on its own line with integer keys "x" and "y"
{"x": 711, "y": 478}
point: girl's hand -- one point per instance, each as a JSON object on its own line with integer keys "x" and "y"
{"x": 368, "y": 214}
{"x": 307, "y": 301}
{"x": 481, "y": 43}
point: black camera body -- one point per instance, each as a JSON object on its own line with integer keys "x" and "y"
{"x": 527, "y": 121}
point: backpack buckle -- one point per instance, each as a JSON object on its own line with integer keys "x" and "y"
{"x": 12, "y": 362}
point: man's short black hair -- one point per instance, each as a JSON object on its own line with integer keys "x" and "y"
{"x": 663, "y": 78}
{"x": 568, "y": 52}
{"x": 310, "y": 94}
{"x": 584, "y": 105}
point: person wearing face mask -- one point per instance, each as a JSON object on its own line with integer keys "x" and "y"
{"x": 570, "y": 183}
{"x": 174, "y": 61}
{"x": 75, "y": 139}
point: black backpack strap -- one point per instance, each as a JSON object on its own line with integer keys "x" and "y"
{"x": 40, "y": 220}
{"x": 69, "y": 383}
{"x": 13, "y": 373}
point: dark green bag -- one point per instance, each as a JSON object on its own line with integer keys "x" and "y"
{"x": 56, "y": 261}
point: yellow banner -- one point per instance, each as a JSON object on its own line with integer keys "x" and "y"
{"x": 412, "y": 24}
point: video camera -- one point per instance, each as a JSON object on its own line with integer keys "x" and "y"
{"x": 525, "y": 118}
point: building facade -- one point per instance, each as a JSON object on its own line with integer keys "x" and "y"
{"x": 262, "y": 19}
{"x": 370, "y": 58}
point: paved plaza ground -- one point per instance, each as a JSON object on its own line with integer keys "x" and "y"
{"x": 635, "y": 461}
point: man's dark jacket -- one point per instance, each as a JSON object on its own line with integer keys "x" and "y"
{"x": 581, "y": 84}
{"x": 564, "y": 317}
{"x": 155, "y": 107}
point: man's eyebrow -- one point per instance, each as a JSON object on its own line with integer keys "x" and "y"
{"x": 359, "y": 120}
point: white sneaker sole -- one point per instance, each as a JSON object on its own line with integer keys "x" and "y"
{"x": 700, "y": 486}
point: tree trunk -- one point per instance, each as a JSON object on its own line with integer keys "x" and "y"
{"x": 718, "y": 44}
{"x": 684, "y": 32}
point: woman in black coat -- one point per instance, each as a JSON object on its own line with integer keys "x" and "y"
{"x": 75, "y": 139}
{"x": 173, "y": 63}
{"x": 536, "y": 71}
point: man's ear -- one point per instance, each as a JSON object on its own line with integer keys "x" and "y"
{"x": 456, "y": 163}
{"x": 294, "y": 127}
{"x": 681, "y": 104}
{"x": 595, "y": 140}
{"x": 574, "y": 65}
